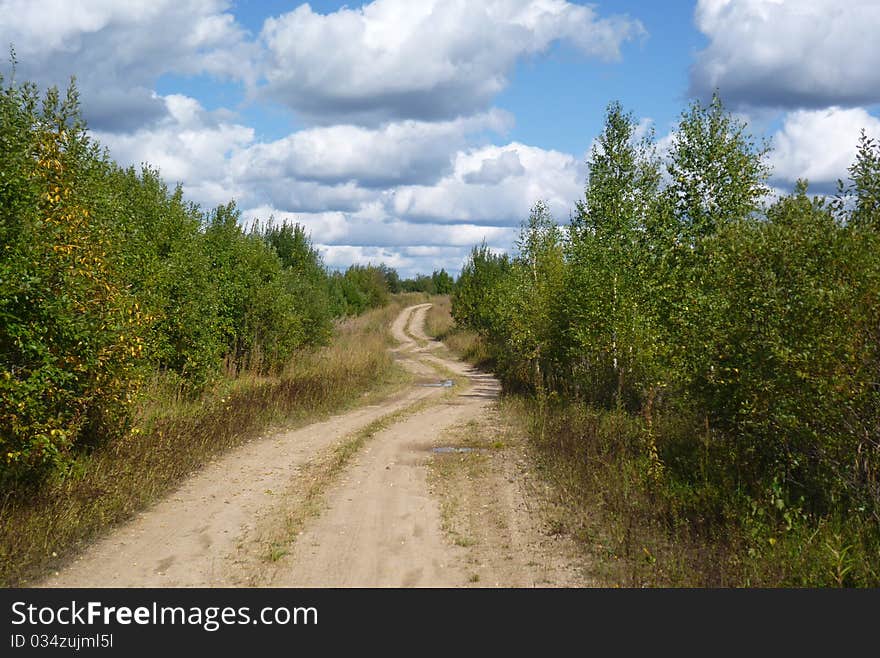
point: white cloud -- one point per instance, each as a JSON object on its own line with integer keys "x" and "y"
{"x": 389, "y": 60}
{"x": 406, "y": 179}
{"x": 189, "y": 146}
{"x": 334, "y": 169}
{"x": 485, "y": 193}
{"x": 373, "y": 226}
{"x": 396, "y": 153}
{"x": 462, "y": 196}
{"x": 118, "y": 50}
{"x": 407, "y": 261}
{"x": 819, "y": 144}
{"x": 291, "y": 195}
{"x": 497, "y": 169}
{"x": 341, "y": 256}
{"x": 803, "y": 54}
{"x": 430, "y": 59}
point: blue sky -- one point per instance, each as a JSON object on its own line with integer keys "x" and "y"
{"x": 404, "y": 131}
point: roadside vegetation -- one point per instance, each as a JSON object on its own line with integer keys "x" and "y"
{"x": 44, "y": 524}
{"x": 698, "y": 366}
{"x": 141, "y": 335}
{"x": 464, "y": 342}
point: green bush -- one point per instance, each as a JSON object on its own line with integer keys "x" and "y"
{"x": 71, "y": 334}
{"x": 107, "y": 278}
{"x": 684, "y": 296}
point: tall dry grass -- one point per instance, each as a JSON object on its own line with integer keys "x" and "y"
{"x": 43, "y": 527}
{"x": 465, "y": 343}
{"x": 438, "y": 319}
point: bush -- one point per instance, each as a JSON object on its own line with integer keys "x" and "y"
{"x": 107, "y": 278}
{"x": 71, "y": 333}
{"x": 758, "y": 326}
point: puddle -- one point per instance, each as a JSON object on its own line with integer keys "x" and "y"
{"x": 444, "y": 449}
{"x": 446, "y": 383}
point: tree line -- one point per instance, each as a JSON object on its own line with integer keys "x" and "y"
{"x": 109, "y": 277}
{"x": 682, "y": 288}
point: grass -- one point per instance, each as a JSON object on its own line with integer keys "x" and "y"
{"x": 445, "y": 470}
{"x": 448, "y": 474}
{"x": 43, "y": 527}
{"x": 438, "y": 319}
{"x": 645, "y": 528}
{"x": 464, "y": 343}
{"x": 600, "y": 497}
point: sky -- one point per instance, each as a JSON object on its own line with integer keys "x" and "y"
{"x": 405, "y": 131}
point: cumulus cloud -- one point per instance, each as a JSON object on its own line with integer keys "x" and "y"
{"x": 469, "y": 195}
{"x": 497, "y": 169}
{"x": 392, "y": 164}
{"x": 485, "y": 193}
{"x": 804, "y": 54}
{"x": 407, "y": 262}
{"x": 372, "y": 235}
{"x": 417, "y": 228}
{"x": 291, "y": 195}
{"x": 189, "y": 145}
{"x": 428, "y": 60}
{"x": 397, "y": 153}
{"x": 820, "y": 145}
{"x": 118, "y": 50}
{"x": 374, "y": 226}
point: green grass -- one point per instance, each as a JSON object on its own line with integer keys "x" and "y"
{"x": 44, "y": 526}
{"x": 645, "y": 528}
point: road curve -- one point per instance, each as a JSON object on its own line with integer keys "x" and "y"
{"x": 188, "y": 538}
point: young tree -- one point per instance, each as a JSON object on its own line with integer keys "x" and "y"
{"x": 529, "y": 300}
{"x": 304, "y": 276}
{"x": 717, "y": 173}
{"x": 607, "y": 270}
{"x": 472, "y": 297}
{"x": 863, "y": 189}
{"x": 624, "y": 176}
{"x": 442, "y": 281}
{"x": 70, "y": 331}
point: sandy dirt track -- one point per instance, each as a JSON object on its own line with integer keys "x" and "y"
{"x": 387, "y": 520}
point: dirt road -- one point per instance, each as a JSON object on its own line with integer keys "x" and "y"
{"x": 433, "y": 497}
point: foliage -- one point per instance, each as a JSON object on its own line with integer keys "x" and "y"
{"x": 606, "y": 320}
{"x": 717, "y": 174}
{"x": 108, "y": 279}
{"x": 439, "y": 283}
{"x": 165, "y": 265}
{"x": 684, "y": 297}
{"x": 360, "y": 288}
{"x": 525, "y": 320}
{"x": 476, "y": 288}
{"x": 863, "y": 187}
{"x": 71, "y": 332}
